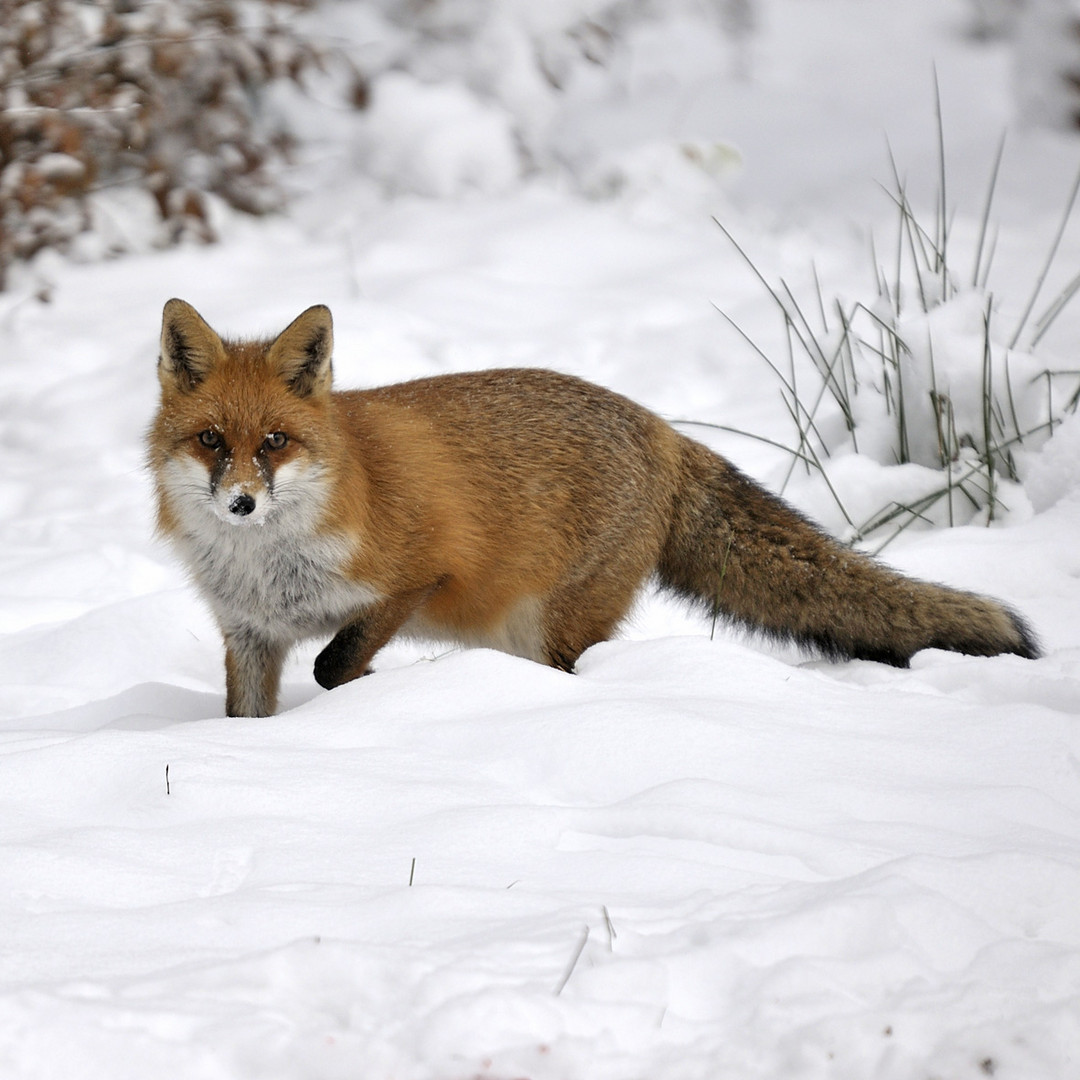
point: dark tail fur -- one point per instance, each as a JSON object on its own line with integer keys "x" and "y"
{"x": 749, "y": 557}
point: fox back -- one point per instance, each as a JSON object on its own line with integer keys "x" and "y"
{"x": 518, "y": 509}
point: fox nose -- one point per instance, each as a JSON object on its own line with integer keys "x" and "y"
{"x": 242, "y": 505}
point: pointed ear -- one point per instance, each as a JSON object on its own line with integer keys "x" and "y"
{"x": 302, "y": 352}
{"x": 189, "y": 348}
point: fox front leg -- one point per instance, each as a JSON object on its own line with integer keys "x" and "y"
{"x": 347, "y": 656}
{"x": 350, "y": 652}
{"x": 252, "y": 674}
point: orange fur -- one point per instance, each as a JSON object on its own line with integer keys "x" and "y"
{"x": 520, "y": 509}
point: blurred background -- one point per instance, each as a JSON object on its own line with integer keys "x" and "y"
{"x": 127, "y": 124}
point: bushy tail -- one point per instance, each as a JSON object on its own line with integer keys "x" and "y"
{"x": 749, "y": 557}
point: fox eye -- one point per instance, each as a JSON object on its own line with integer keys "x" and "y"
{"x": 210, "y": 439}
{"x": 275, "y": 440}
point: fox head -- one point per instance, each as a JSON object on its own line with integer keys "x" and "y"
{"x": 238, "y": 432}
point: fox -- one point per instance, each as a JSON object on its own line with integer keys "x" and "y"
{"x": 518, "y": 509}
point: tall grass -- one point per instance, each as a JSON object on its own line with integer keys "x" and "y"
{"x": 876, "y": 363}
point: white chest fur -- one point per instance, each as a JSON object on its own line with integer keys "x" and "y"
{"x": 280, "y": 577}
{"x": 283, "y": 587}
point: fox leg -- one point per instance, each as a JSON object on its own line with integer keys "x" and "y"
{"x": 351, "y": 649}
{"x": 252, "y": 673}
{"x": 583, "y": 615}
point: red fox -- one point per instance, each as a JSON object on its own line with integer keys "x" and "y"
{"x": 517, "y": 509}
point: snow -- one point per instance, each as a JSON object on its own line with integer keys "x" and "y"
{"x": 437, "y": 140}
{"x": 697, "y": 857}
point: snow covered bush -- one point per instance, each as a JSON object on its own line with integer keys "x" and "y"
{"x": 465, "y": 93}
{"x": 437, "y": 140}
{"x": 169, "y": 97}
{"x": 163, "y": 94}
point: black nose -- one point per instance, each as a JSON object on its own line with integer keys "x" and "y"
{"x": 242, "y": 505}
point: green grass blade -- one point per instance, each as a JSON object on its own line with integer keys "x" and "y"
{"x": 1049, "y": 261}
{"x": 984, "y": 221}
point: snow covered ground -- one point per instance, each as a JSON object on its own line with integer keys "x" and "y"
{"x": 694, "y": 859}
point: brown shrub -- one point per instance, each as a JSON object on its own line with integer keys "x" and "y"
{"x": 162, "y": 93}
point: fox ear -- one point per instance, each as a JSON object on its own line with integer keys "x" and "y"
{"x": 189, "y": 348}
{"x": 302, "y": 352}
